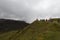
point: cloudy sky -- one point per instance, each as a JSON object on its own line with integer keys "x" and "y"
{"x": 29, "y": 10}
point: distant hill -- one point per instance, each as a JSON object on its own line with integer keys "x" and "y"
{"x": 10, "y": 25}
{"x": 38, "y": 30}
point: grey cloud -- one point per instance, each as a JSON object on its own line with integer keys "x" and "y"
{"x": 29, "y": 10}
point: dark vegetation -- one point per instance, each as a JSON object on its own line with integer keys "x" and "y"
{"x": 38, "y": 30}
{"x": 10, "y": 25}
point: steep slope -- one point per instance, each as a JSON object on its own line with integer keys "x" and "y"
{"x": 40, "y": 30}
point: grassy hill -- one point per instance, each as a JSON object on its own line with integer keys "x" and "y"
{"x": 7, "y": 25}
{"x": 9, "y": 28}
{"x": 38, "y": 30}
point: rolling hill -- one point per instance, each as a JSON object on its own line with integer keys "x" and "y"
{"x": 10, "y": 28}
{"x": 10, "y": 25}
{"x": 38, "y": 30}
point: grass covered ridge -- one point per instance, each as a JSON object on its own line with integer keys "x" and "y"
{"x": 38, "y": 30}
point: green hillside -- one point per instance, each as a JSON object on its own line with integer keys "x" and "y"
{"x": 10, "y": 28}
{"x": 38, "y": 30}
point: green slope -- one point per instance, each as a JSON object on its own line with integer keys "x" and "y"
{"x": 38, "y": 30}
{"x": 10, "y": 28}
{"x": 41, "y": 31}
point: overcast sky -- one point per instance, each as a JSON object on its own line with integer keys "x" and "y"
{"x": 29, "y": 10}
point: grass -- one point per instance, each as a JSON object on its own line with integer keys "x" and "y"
{"x": 37, "y": 30}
